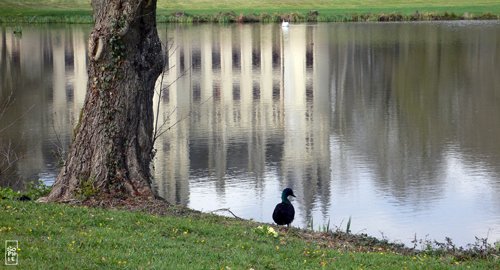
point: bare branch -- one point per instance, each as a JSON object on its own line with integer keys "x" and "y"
{"x": 17, "y": 119}
{"x": 9, "y": 156}
{"x": 58, "y": 145}
{"x": 178, "y": 121}
{"x": 226, "y": 210}
{"x": 157, "y": 132}
{"x": 160, "y": 93}
{"x": 4, "y": 105}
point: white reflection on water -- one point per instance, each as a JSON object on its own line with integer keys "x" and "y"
{"x": 459, "y": 208}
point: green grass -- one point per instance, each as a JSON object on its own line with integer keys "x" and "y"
{"x": 78, "y": 11}
{"x": 57, "y": 236}
{"x": 329, "y": 6}
{"x": 75, "y": 11}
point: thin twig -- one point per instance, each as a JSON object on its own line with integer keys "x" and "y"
{"x": 178, "y": 121}
{"x": 226, "y": 210}
{"x": 168, "y": 49}
{"x": 6, "y": 104}
{"x": 159, "y": 129}
{"x": 17, "y": 119}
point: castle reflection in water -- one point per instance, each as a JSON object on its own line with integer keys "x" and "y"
{"x": 251, "y": 107}
{"x": 246, "y": 101}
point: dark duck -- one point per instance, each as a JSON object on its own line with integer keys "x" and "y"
{"x": 284, "y": 211}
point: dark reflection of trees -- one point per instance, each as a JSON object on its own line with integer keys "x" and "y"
{"x": 27, "y": 70}
{"x": 22, "y": 80}
{"x": 403, "y": 99}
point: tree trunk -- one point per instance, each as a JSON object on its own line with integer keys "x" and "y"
{"x": 112, "y": 147}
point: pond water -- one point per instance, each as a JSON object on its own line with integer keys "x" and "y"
{"x": 395, "y": 125}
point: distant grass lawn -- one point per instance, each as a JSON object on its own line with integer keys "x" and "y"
{"x": 58, "y": 236}
{"x": 331, "y": 6}
{"x": 80, "y": 11}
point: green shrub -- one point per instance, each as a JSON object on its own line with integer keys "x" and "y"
{"x": 34, "y": 190}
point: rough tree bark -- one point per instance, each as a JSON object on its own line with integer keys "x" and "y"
{"x": 112, "y": 147}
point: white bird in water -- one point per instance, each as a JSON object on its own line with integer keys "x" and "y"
{"x": 284, "y": 24}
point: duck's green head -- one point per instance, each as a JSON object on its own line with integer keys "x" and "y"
{"x": 286, "y": 192}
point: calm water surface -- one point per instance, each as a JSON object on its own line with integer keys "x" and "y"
{"x": 394, "y": 125}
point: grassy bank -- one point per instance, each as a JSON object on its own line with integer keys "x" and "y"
{"x": 58, "y": 236}
{"x": 78, "y": 11}
{"x": 37, "y": 11}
